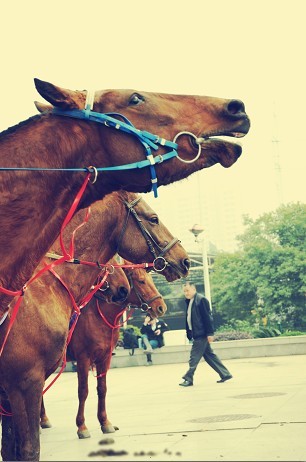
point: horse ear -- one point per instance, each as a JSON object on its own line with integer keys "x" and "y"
{"x": 42, "y": 107}
{"x": 60, "y": 97}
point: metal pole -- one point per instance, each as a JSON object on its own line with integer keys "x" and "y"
{"x": 196, "y": 230}
{"x": 206, "y": 270}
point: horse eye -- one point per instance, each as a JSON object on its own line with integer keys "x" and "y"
{"x": 136, "y": 99}
{"x": 154, "y": 220}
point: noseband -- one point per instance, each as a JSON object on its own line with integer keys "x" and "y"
{"x": 159, "y": 262}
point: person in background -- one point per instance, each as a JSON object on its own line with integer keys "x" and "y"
{"x": 130, "y": 340}
{"x": 152, "y": 336}
{"x": 200, "y": 329}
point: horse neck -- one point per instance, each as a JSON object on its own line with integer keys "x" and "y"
{"x": 92, "y": 331}
{"x": 110, "y": 312}
{"x": 95, "y": 241}
{"x": 33, "y": 205}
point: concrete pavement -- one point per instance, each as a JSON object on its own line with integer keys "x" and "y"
{"x": 259, "y": 415}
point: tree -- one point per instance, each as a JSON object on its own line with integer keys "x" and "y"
{"x": 234, "y": 295}
{"x": 267, "y": 275}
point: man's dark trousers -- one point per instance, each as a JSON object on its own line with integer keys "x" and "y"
{"x": 201, "y": 348}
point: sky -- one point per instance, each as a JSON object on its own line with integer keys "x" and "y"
{"x": 253, "y": 51}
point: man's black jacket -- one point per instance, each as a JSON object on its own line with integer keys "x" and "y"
{"x": 201, "y": 318}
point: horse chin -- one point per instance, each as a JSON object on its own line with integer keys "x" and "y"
{"x": 172, "y": 274}
{"x": 223, "y": 152}
{"x": 117, "y": 300}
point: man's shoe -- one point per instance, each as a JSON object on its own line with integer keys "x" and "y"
{"x": 186, "y": 383}
{"x": 224, "y": 379}
{"x": 148, "y": 352}
{"x": 149, "y": 363}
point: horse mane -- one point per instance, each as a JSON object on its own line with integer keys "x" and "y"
{"x": 23, "y": 123}
{"x": 121, "y": 196}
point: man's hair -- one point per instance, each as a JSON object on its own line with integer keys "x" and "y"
{"x": 189, "y": 283}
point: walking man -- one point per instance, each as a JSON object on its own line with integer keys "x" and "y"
{"x": 199, "y": 327}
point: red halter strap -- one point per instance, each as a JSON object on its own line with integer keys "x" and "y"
{"x": 114, "y": 326}
{"x": 77, "y": 310}
{"x": 66, "y": 256}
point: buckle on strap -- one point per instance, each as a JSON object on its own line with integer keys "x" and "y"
{"x": 151, "y": 159}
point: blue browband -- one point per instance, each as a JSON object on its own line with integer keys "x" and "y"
{"x": 147, "y": 139}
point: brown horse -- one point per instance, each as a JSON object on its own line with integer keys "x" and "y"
{"x": 35, "y": 202}
{"x": 120, "y": 221}
{"x": 94, "y": 338}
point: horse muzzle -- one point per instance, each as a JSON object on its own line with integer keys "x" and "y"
{"x": 121, "y": 295}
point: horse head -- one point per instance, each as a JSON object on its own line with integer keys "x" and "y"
{"x": 141, "y": 236}
{"x": 144, "y": 293}
{"x": 116, "y": 287}
{"x": 194, "y": 123}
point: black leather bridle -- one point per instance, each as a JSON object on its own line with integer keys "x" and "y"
{"x": 145, "y": 305}
{"x": 159, "y": 262}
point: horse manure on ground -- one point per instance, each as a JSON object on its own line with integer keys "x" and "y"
{"x": 143, "y": 453}
{"x": 107, "y": 441}
{"x": 107, "y": 452}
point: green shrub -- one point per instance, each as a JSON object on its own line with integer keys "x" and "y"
{"x": 264, "y": 332}
{"x": 236, "y": 325}
{"x": 232, "y": 335}
{"x": 289, "y": 333}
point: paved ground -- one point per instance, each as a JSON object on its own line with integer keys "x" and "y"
{"x": 257, "y": 416}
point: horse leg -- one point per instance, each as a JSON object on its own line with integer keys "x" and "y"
{"x": 25, "y": 405}
{"x": 82, "y": 369}
{"x": 44, "y": 419}
{"x": 106, "y": 425}
{"x": 8, "y": 445}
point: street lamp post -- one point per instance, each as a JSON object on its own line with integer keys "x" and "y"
{"x": 196, "y": 230}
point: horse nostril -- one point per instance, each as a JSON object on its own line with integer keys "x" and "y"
{"x": 123, "y": 292}
{"x": 160, "y": 310}
{"x": 186, "y": 264}
{"x": 235, "y": 107}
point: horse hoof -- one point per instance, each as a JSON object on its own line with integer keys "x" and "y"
{"x": 108, "y": 429}
{"x": 82, "y": 434}
{"x": 46, "y": 424}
